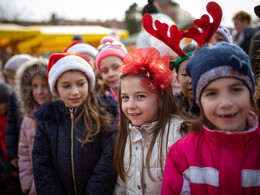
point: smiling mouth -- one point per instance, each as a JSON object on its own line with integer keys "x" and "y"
{"x": 228, "y": 116}
{"x": 135, "y": 114}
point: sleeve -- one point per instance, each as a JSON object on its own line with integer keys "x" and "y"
{"x": 103, "y": 178}
{"x": 120, "y": 188}
{"x": 24, "y": 161}
{"x": 173, "y": 180}
{"x": 12, "y": 128}
{"x": 46, "y": 180}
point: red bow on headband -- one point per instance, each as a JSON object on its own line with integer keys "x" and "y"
{"x": 147, "y": 61}
{"x": 201, "y": 36}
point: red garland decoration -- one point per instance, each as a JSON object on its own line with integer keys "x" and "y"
{"x": 147, "y": 61}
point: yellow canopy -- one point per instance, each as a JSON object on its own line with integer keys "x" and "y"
{"x": 36, "y": 39}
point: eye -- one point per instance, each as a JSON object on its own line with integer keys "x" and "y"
{"x": 65, "y": 86}
{"x": 115, "y": 67}
{"x": 104, "y": 70}
{"x": 140, "y": 96}
{"x": 210, "y": 94}
{"x": 237, "y": 89}
{"x": 184, "y": 74}
{"x": 124, "y": 97}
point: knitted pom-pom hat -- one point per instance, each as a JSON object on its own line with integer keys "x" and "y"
{"x": 109, "y": 46}
{"x": 225, "y": 33}
{"x": 62, "y": 62}
{"x": 17, "y": 60}
{"x": 81, "y": 48}
{"x": 220, "y": 61}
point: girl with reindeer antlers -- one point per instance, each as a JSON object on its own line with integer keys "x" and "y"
{"x": 221, "y": 154}
{"x": 149, "y": 121}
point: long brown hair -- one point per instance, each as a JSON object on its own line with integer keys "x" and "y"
{"x": 166, "y": 110}
{"x": 96, "y": 118}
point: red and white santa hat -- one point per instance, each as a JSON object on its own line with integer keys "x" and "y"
{"x": 81, "y": 48}
{"x": 62, "y": 62}
{"x": 109, "y": 46}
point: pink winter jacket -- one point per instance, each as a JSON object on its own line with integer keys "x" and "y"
{"x": 25, "y": 146}
{"x": 215, "y": 162}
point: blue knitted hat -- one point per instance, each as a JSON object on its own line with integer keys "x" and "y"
{"x": 220, "y": 61}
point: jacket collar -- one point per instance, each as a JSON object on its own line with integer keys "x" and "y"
{"x": 237, "y": 139}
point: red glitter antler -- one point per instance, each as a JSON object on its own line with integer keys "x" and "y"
{"x": 161, "y": 33}
{"x": 208, "y": 29}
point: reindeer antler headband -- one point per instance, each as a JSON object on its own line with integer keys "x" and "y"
{"x": 173, "y": 41}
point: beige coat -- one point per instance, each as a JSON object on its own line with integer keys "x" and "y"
{"x": 138, "y": 181}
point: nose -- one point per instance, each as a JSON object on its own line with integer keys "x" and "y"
{"x": 189, "y": 81}
{"x": 74, "y": 91}
{"x": 131, "y": 104}
{"x": 225, "y": 102}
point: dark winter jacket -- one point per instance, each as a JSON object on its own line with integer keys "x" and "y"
{"x": 184, "y": 107}
{"x": 52, "y": 164}
{"x": 12, "y": 129}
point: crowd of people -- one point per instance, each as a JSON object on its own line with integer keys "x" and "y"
{"x": 163, "y": 118}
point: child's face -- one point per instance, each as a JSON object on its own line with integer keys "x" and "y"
{"x": 226, "y": 103}
{"x": 3, "y": 107}
{"x": 10, "y": 77}
{"x": 138, "y": 104}
{"x": 109, "y": 67}
{"x": 185, "y": 81}
{"x": 40, "y": 89}
{"x": 217, "y": 37}
{"x": 72, "y": 87}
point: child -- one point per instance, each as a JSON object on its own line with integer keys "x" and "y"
{"x": 185, "y": 101}
{"x": 222, "y": 34}
{"x": 73, "y": 147}
{"x": 87, "y": 51}
{"x": 149, "y": 122}
{"x": 109, "y": 58}
{"x": 222, "y": 155}
{"x": 6, "y": 92}
{"x": 32, "y": 91}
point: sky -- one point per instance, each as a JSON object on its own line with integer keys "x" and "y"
{"x": 41, "y": 10}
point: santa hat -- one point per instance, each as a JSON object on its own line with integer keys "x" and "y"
{"x": 81, "y": 48}
{"x": 225, "y": 33}
{"x": 62, "y": 62}
{"x": 109, "y": 46}
{"x": 17, "y": 60}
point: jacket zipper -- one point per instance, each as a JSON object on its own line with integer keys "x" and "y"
{"x": 71, "y": 149}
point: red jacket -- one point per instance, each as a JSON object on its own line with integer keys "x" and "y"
{"x": 215, "y": 162}
{"x": 2, "y": 134}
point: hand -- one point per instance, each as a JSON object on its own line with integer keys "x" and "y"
{"x": 14, "y": 162}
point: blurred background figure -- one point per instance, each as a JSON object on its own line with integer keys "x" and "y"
{"x": 86, "y": 50}
{"x": 14, "y": 117}
{"x": 222, "y": 34}
{"x": 144, "y": 38}
{"x": 243, "y": 30}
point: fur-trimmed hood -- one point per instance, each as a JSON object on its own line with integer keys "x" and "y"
{"x": 23, "y": 79}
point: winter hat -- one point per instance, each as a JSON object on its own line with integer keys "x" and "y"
{"x": 151, "y": 8}
{"x": 6, "y": 92}
{"x": 109, "y": 46}
{"x": 220, "y": 61}
{"x": 225, "y": 33}
{"x": 81, "y": 47}
{"x": 14, "y": 62}
{"x": 62, "y": 62}
{"x": 179, "y": 60}
{"x": 257, "y": 10}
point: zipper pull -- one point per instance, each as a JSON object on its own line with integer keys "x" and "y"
{"x": 71, "y": 113}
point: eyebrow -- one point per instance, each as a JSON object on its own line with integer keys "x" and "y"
{"x": 237, "y": 83}
{"x": 136, "y": 92}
